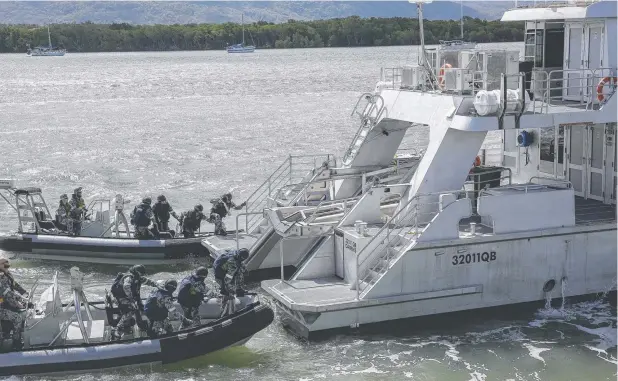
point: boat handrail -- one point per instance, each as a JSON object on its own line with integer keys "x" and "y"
{"x": 406, "y": 218}
{"x": 243, "y": 214}
{"x": 578, "y": 85}
{"x": 284, "y": 174}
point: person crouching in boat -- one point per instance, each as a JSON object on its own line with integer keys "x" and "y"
{"x": 62, "y": 214}
{"x": 158, "y": 307}
{"x": 220, "y": 209}
{"x": 140, "y": 219}
{"x": 13, "y": 299}
{"x": 77, "y": 212}
{"x": 126, "y": 290}
{"x": 191, "y": 221}
{"x": 229, "y": 271}
{"x": 191, "y": 295}
{"x": 162, "y": 211}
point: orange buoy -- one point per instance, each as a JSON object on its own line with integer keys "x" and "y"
{"x": 477, "y": 161}
{"x": 441, "y": 74}
{"x": 604, "y": 81}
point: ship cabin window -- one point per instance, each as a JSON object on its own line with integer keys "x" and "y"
{"x": 551, "y": 150}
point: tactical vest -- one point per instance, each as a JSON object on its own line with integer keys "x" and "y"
{"x": 154, "y": 310}
{"x": 187, "y": 295}
{"x": 118, "y": 289}
{"x": 139, "y": 216}
{"x": 161, "y": 210}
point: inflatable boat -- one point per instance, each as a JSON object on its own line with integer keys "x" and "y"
{"x": 105, "y": 235}
{"x": 77, "y": 337}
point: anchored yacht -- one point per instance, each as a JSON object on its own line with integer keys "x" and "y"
{"x": 369, "y": 242}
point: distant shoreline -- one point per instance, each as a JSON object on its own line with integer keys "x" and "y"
{"x": 346, "y": 32}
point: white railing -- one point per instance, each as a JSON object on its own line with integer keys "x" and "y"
{"x": 411, "y": 219}
{"x": 294, "y": 169}
{"x": 571, "y": 87}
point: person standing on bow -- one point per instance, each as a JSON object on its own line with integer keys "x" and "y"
{"x": 126, "y": 289}
{"x": 220, "y": 209}
{"x": 191, "y": 221}
{"x": 162, "y": 211}
{"x": 140, "y": 219}
{"x": 77, "y": 213}
{"x": 191, "y": 295}
{"x": 13, "y": 299}
{"x": 63, "y": 222}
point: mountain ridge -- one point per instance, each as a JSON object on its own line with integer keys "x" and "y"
{"x": 194, "y": 12}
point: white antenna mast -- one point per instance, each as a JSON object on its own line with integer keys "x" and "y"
{"x": 422, "y": 56}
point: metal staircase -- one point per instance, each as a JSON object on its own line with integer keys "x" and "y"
{"x": 278, "y": 186}
{"x": 395, "y": 238}
{"x": 369, "y": 116}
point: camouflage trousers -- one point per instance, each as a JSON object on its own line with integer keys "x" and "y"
{"x": 142, "y": 232}
{"x": 161, "y": 327}
{"x": 216, "y": 219}
{"x": 191, "y": 314}
{"x": 16, "y": 318}
{"x": 74, "y": 227}
{"x": 127, "y": 316}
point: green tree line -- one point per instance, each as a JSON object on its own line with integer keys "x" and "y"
{"x": 343, "y": 32}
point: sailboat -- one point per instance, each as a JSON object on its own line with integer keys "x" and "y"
{"x": 241, "y": 48}
{"x": 45, "y": 51}
{"x": 458, "y": 44}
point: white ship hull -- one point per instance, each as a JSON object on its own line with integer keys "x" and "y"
{"x": 426, "y": 281}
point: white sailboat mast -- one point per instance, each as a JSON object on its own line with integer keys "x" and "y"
{"x": 242, "y": 21}
{"x": 49, "y": 37}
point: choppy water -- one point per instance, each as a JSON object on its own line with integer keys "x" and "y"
{"x": 195, "y": 124}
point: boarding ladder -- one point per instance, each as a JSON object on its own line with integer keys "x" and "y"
{"x": 369, "y": 115}
{"x": 393, "y": 240}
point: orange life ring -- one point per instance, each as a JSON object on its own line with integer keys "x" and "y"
{"x": 604, "y": 81}
{"x": 441, "y": 73}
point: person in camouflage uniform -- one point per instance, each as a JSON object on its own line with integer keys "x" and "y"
{"x": 191, "y": 221}
{"x": 230, "y": 270}
{"x": 220, "y": 208}
{"x": 140, "y": 219}
{"x": 158, "y": 307}
{"x": 63, "y": 214}
{"x": 191, "y": 295}
{"x": 126, "y": 290}
{"x": 162, "y": 210}
{"x": 77, "y": 212}
{"x": 13, "y": 299}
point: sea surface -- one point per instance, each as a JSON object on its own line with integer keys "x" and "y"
{"x": 193, "y": 125}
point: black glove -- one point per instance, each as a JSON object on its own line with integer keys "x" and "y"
{"x": 30, "y": 305}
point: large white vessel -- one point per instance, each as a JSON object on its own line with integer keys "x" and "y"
{"x": 46, "y": 51}
{"x": 368, "y": 239}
